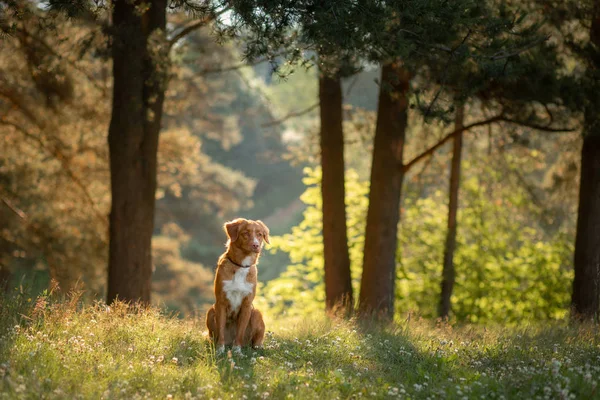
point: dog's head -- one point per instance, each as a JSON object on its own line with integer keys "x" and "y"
{"x": 246, "y": 234}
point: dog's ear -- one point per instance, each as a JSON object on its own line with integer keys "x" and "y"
{"x": 265, "y": 231}
{"x": 232, "y": 229}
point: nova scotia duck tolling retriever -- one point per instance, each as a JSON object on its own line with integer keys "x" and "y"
{"x": 232, "y": 320}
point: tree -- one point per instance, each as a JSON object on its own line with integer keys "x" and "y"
{"x": 140, "y": 65}
{"x": 426, "y": 38}
{"x": 448, "y": 274}
{"x": 525, "y": 269}
{"x": 53, "y": 192}
{"x": 464, "y": 44}
{"x": 537, "y": 105}
{"x": 52, "y": 115}
{"x": 338, "y": 282}
{"x": 586, "y": 283}
{"x": 577, "y": 24}
{"x": 271, "y": 27}
{"x": 379, "y": 265}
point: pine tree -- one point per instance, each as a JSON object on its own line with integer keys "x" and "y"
{"x": 420, "y": 38}
{"x": 586, "y": 284}
{"x": 338, "y": 284}
{"x": 518, "y": 82}
{"x": 577, "y": 24}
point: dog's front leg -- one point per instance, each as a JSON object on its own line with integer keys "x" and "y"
{"x": 221, "y": 317}
{"x": 242, "y": 324}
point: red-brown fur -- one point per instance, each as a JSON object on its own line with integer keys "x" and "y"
{"x": 245, "y": 326}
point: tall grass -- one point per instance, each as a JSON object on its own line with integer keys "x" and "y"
{"x": 63, "y": 350}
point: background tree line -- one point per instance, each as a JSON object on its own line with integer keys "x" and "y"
{"x": 445, "y": 70}
{"x": 484, "y": 65}
{"x": 56, "y": 188}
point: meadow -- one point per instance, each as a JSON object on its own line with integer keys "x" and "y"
{"x": 64, "y": 350}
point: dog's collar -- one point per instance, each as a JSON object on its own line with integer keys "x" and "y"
{"x": 239, "y": 265}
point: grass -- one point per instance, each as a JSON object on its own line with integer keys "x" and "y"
{"x": 63, "y": 350}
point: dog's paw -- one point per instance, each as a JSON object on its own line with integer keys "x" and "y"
{"x": 236, "y": 349}
{"x": 220, "y": 350}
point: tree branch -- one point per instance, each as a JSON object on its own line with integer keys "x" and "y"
{"x": 507, "y": 54}
{"x": 292, "y": 114}
{"x": 446, "y": 138}
{"x": 446, "y": 72}
{"x": 537, "y": 127}
{"x": 235, "y": 67}
{"x": 29, "y": 226}
{"x": 195, "y": 25}
{"x": 20, "y": 213}
{"x": 497, "y": 118}
{"x": 188, "y": 29}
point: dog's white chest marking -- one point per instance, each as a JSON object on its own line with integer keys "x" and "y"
{"x": 237, "y": 288}
{"x": 247, "y": 261}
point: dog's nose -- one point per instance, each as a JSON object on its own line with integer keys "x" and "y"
{"x": 255, "y": 246}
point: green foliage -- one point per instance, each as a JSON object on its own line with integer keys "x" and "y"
{"x": 508, "y": 269}
{"x": 493, "y": 50}
{"x": 62, "y": 350}
{"x": 300, "y": 290}
{"x": 575, "y": 25}
{"x": 442, "y": 44}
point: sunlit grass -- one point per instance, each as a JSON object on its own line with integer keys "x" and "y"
{"x": 64, "y": 350}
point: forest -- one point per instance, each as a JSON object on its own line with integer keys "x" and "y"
{"x": 429, "y": 171}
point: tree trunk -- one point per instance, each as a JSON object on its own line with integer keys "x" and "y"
{"x": 585, "y": 300}
{"x": 379, "y": 264}
{"x": 338, "y": 283}
{"x": 140, "y": 65}
{"x": 448, "y": 266}
{"x": 586, "y": 284}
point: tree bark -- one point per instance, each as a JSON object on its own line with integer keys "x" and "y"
{"x": 448, "y": 272}
{"x": 140, "y": 65}
{"x": 586, "y": 284}
{"x": 338, "y": 282}
{"x": 379, "y": 263}
{"x": 585, "y": 300}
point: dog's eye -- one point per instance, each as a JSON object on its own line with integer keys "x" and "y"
{"x": 260, "y": 234}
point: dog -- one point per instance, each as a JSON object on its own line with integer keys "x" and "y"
{"x": 232, "y": 320}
